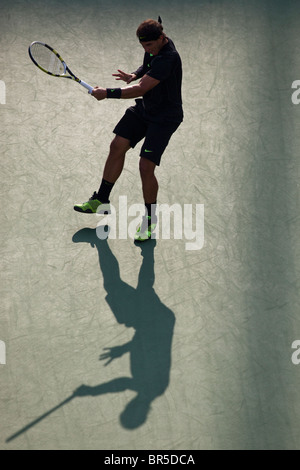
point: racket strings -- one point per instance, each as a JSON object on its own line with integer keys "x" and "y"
{"x": 47, "y": 59}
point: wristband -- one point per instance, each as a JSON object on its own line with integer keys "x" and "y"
{"x": 113, "y": 93}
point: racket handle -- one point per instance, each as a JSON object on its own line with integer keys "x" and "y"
{"x": 88, "y": 87}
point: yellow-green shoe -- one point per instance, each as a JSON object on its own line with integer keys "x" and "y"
{"x": 145, "y": 229}
{"x": 92, "y": 206}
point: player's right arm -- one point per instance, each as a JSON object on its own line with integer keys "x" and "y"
{"x": 133, "y": 91}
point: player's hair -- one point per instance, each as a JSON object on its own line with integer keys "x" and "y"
{"x": 149, "y": 30}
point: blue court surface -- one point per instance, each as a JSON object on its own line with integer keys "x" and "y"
{"x": 191, "y": 340}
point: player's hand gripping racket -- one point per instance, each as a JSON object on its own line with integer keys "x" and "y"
{"x": 50, "y": 62}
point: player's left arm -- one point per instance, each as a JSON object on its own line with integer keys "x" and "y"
{"x": 133, "y": 91}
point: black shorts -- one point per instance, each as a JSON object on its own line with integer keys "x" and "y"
{"x": 133, "y": 127}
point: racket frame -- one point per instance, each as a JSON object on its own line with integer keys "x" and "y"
{"x": 66, "y": 68}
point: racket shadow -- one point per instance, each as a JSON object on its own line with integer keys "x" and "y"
{"x": 150, "y": 348}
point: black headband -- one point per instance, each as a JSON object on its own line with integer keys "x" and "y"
{"x": 150, "y": 37}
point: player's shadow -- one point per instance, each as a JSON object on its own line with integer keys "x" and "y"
{"x": 153, "y": 322}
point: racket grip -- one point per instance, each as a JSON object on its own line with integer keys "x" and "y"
{"x": 88, "y": 87}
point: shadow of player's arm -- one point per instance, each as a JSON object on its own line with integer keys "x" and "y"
{"x": 114, "y": 352}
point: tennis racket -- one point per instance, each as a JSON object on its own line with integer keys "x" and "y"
{"x": 50, "y": 62}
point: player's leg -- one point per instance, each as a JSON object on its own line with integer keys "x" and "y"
{"x": 156, "y": 141}
{"x": 149, "y": 181}
{"x": 116, "y": 157}
{"x": 113, "y": 167}
{"x": 129, "y": 131}
{"x": 112, "y": 170}
{"x": 150, "y": 190}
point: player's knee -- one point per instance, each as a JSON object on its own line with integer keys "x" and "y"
{"x": 147, "y": 168}
{"x": 114, "y": 147}
{"x": 119, "y": 146}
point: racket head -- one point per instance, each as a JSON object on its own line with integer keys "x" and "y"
{"x": 48, "y": 60}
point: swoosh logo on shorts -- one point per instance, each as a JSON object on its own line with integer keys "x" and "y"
{"x": 148, "y": 151}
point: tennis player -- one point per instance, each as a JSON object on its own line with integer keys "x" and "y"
{"x": 154, "y": 118}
